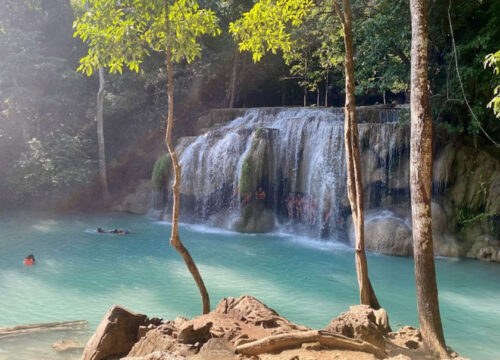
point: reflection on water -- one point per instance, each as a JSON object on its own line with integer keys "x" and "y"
{"x": 79, "y": 274}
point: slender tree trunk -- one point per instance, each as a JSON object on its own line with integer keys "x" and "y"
{"x": 234, "y": 74}
{"x": 383, "y": 95}
{"x": 175, "y": 239}
{"x": 317, "y": 97}
{"x": 305, "y": 85}
{"x": 354, "y": 180}
{"x": 420, "y": 185}
{"x": 100, "y": 138}
{"x": 326, "y": 90}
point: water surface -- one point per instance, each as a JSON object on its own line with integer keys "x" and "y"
{"x": 79, "y": 274}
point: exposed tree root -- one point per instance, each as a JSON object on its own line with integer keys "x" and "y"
{"x": 282, "y": 342}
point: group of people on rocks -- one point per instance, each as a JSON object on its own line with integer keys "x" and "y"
{"x": 260, "y": 196}
{"x": 304, "y": 208}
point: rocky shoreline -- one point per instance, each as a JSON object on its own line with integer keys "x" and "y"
{"x": 245, "y": 328}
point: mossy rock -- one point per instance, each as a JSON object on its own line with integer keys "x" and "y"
{"x": 255, "y": 218}
{"x": 252, "y": 170}
{"x": 161, "y": 172}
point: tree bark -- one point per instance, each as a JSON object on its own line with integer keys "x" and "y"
{"x": 326, "y": 90}
{"x": 280, "y": 342}
{"x": 100, "y": 139}
{"x": 420, "y": 185}
{"x": 354, "y": 180}
{"x": 234, "y": 74}
{"x": 175, "y": 239}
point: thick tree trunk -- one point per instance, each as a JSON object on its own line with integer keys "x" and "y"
{"x": 354, "y": 180}
{"x": 175, "y": 239}
{"x": 420, "y": 185}
{"x": 100, "y": 138}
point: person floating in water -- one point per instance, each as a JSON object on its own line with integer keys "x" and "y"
{"x": 115, "y": 231}
{"x": 29, "y": 260}
{"x": 260, "y": 194}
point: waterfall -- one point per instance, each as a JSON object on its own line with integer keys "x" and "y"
{"x": 297, "y": 157}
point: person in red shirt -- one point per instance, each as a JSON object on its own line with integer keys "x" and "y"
{"x": 29, "y": 260}
{"x": 260, "y": 194}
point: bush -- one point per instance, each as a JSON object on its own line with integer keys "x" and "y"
{"x": 161, "y": 172}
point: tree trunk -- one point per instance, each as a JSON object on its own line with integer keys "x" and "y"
{"x": 232, "y": 85}
{"x": 326, "y": 90}
{"x": 175, "y": 239}
{"x": 100, "y": 139}
{"x": 420, "y": 185}
{"x": 280, "y": 342}
{"x": 317, "y": 97}
{"x": 354, "y": 180}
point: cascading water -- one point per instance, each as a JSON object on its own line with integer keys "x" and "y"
{"x": 297, "y": 158}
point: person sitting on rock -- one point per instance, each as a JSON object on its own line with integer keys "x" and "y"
{"x": 299, "y": 206}
{"x": 260, "y": 194}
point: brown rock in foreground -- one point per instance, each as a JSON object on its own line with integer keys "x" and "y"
{"x": 244, "y": 328}
{"x": 115, "y": 335}
{"x": 363, "y": 323}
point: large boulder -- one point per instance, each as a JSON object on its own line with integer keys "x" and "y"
{"x": 442, "y": 173}
{"x": 139, "y": 200}
{"x": 363, "y": 323}
{"x": 254, "y": 217}
{"x": 476, "y": 186}
{"x": 248, "y": 309}
{"x": 386, "y": 234}
{"x": 115, "y": 335}
{"x": 160, "y": 339}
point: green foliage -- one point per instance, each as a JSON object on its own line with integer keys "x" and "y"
{"x": 476, "y": 29}
{"x": 41, "y": 97}
{"x": 161, "y": 172}
{"x": 383, "y": 35}
{"x": 265, "y": 28}
{"x": 493, "y": 60}
{"x": 48, "y": 168}
{"x": 122, "y": 34}
{"x": 468, "y": 217}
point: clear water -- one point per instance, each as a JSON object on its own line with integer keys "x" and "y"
{"x": 79, "y": 274}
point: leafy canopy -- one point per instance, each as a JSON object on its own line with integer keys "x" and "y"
{"x": 266, "y": 27}
{"x": 493, "y": 60}
{"x": 122, "y": 33}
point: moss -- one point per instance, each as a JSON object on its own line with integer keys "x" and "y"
{"x": 256, "y": 139}
{"x": 246, "y": 186}
{"x": 161, "y": 172}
